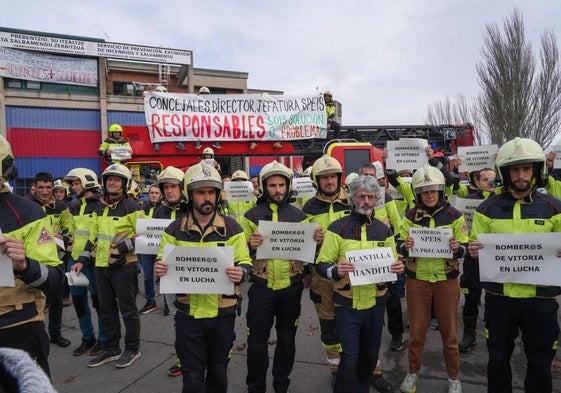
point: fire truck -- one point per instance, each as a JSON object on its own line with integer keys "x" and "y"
{"x": 359, "y": 144}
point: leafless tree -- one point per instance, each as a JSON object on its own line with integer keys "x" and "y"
{"x": 517, "y": 97}
{"x": 460, "y": 110}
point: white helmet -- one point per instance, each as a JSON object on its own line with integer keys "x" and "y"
{"x": 204, "y": 90}
{"x": 208, "y": 150}
{"x": 161, "y": 89}
{"x": 201, "y": 175}
{"x": 427, "y": 178}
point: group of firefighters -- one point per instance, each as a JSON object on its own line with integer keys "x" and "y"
{"x": 351, "y": 214}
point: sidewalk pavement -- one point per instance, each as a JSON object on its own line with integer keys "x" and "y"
{"x": 71, "y": 374}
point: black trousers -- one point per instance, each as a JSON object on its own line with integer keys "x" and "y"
{"x": 30, "y": 337}
{"x": 536, "y": 319}
{"x": 203, "y": 346}
{"x": 116, "y": 291}
{"x": 265, "y": 307}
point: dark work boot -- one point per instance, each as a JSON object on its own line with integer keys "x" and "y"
{"x": 468, "y": 341}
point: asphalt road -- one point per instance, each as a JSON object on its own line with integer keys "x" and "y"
{"x": 310, "y": 374}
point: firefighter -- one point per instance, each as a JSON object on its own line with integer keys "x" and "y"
{"x": 59, "y": 215}
{"x": 276, "y": 288}
{"x": 170, "y": 183}
{"x": 432, "y": 280}
{"x": 203, "y": 91}
{"x": 359, "y": 313}
{"x": 61, "y": 191}
{"x": 469, "y": 279}
{"x": 113, "y": 228}
{"x": 208, "y": 158}
{"x": 28, "y": 242}
{"x": 329, "y": 204}
{"x": 205, "y": 318}
{"x": 87, "y": 190}
{"x": 134, "y": 192}
{"x": 114, "y": 141}
{"x": 512, "y": 308}
{"x": 237, "y": 209}
{"x": 154, "y": 200}
{"x": 330, "y": 111}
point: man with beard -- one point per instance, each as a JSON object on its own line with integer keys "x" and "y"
{"x": 511, "y": 308}
{"x": 170, "y": 182}
{"x": 86, "y": 188}
{"x": 59, "y": 215}
{"x": 359, "y": 312}
{"x": 276, "y": 287}
{"x": 329, "y": 204}
{"x": 204, "y": 323}
{"x": 113, "y": 228}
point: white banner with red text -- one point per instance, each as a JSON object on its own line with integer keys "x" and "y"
{"x": 234, "y": 117}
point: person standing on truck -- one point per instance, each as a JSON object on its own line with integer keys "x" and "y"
{"x": 216, "y": 144}
{"x": 204, "y": 323}
{"x": 113, "y": 227}
{"x": 512, "y": 309}
{"x": 87, "y": 190}
{"x": 115, "y": 141}
{"x": 28, "y": 242}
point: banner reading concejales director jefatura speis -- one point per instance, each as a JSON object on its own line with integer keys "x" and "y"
{"x": 234, "y": 117}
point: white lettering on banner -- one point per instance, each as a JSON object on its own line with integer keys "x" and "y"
{"x": 32, "y": 42}
{"x": 47, "y": 68}
{"x": 233, "y": 117}
{"x": 524, "y": 258}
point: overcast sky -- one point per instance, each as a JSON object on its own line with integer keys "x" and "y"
{"x": 385, "y": 61}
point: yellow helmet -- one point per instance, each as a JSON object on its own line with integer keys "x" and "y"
{"x": 60, "y": 185}
{"x": 201, "y": 175}
{"x": 521, "y": 151}
{"x": 170, "y": 175}
{"x": 240, "y": 175}
{"x": 204, "y": 90}
{"x": 161, "y": 89}
{"x": 117, "y": 170}
{"x": 115, "y": 128}
{"x": 208, "y": 150}
{"x": 275, "y": 168}
{"x": 427, "y": 178}
{"x": 133, "y": 190}
{"x": 87, "y": 177}
{"x": 8, "y": 170}
{"x": 325, "y": 165}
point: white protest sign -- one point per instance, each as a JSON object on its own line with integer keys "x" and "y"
{"x": 149, "y": 231}
{"x": 371, "y": 266}
{"x": 239, "y": 191}
{"x": 524, "y": 258}
{"x": 475, "y": 158}
{"x": 379, "y": 170}
{"x": 6, "y": 269}
{"x": 287, "y": 240}
{"x": 467, "y": 206}
{"x": 431, "y": 242}
{"x": 304, "y": 187}
{"x": 197, "y": 270}
{"x": 557, "y": 161}
{"x": 120, "y": 153}
{"x": 407, "y": 153}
